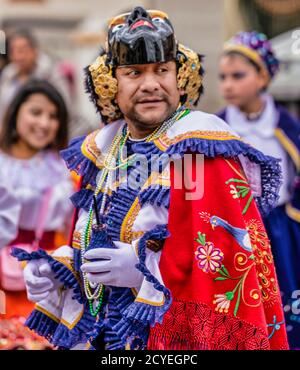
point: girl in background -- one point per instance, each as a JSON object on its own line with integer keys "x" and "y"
{"x": 9, "y": 213}
{"x": 247, "y": 66}
{"x": 35, "y": 130}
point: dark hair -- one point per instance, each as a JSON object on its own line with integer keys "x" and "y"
{"x": 25, "y": 34}
{"x": 9, "y": 135}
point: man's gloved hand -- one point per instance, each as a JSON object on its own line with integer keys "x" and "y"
{"x": 113, "y": 266}
{"x": 39, "y": 279}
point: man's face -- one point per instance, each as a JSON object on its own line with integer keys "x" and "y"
{"x": 22, "y": 54}
{"x": 148, "y": 93}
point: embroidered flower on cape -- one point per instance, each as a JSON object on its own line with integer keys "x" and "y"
{"x": 223, "y": 301}
{"x": 208, "y": 256}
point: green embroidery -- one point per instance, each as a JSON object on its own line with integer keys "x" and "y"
{"x": 240, "y": 191}
{"x": 229, "y": 296}
{"x": 201, "y": 238}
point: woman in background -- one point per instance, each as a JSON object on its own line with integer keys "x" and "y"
{"x": 247, "y": 66}
{"x": 35, "y": 130}
{"x": 9, "y": 213}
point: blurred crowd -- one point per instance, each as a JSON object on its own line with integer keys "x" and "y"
{"x": 35, "y": 100}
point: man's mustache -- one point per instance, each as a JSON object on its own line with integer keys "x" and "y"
{"x": 149, "y": 98}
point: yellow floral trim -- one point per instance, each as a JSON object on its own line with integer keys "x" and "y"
{"x": 126, "y": 234}
{"x": 105, "y": 87}
{"x": 76, "y": 239}
{"x": 188, "y": 76}
{"x": 288, "y": 146}
{"x": 163, "y": 142}
{"x": 91, "y": 151}
{"x": 263, "y": 259}
{"x": 292, "y": 212}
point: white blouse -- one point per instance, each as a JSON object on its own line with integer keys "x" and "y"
{"x": 9, "y": 213}
{"x": 261, "y": 134}
{"x": 30, "y": 178}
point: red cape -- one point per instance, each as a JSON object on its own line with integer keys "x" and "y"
{"x": 225, "y": 295}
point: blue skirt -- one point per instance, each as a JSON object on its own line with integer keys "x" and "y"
{"x": 284, "y": 235}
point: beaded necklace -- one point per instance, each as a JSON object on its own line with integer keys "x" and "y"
{"x": 93, "y": 291}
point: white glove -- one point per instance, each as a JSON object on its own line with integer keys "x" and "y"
{"x": 39, "y": 279}
{"x": 114, "y": 266}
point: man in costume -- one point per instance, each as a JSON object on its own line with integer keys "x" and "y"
{"x": 155, "y": 264}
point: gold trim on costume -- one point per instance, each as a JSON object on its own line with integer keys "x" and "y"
{"x": 70, "y": 326}
{"x": 156, "y": 178}
{"x": 142, "y": 300}
{"x": 91, "y": 151}
{"x": 47, "y": 313}
{"x": 66, "y": 261}
{"x": 76, "y": 239}
{"x": 126, "y": 234}
{"x": 134, "y": 292}
{"x": 292, "y": 212}
{"x": 236, "y": 171}
{"x": 189, "y": 78}
{"x": 163, "y": 142}
{"x": 289, "y": 146}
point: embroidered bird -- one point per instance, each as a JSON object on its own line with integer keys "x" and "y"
{"x": 240, "y": 235}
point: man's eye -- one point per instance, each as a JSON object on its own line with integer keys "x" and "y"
{"x": 163, "y": 69}
{"x": 133, "y": 73}
{"x": 222, "y": 77}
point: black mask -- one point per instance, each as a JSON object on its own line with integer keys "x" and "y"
{"x": 141, "y": 38}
